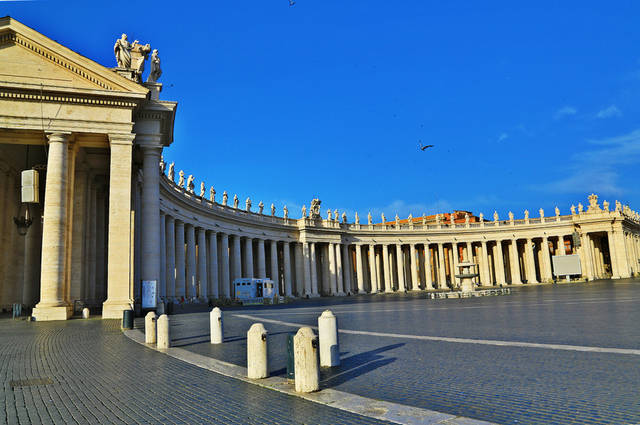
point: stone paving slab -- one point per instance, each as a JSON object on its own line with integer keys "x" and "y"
{"x": 100, "y": 376}
{"x": 526, "y": 385}
{"x": 396, "y": 413}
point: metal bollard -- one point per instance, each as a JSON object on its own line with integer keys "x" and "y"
{"x": 85, "y": 313}
{"x": 150, "y": 328}
{"x": 328, "y": 336}
{"x": 127, "y": 319}
{"x": 164, "y": 341}
{"x": 307, "y": 374}
{"x": 215, "y": 317}
{"x": 257, "y": 364}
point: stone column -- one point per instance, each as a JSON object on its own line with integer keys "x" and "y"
{"x": 214, "y": 284}
{"x": 93, "y": 243}
{"x": 203, "y": 259}
{"x": 613, "y": 255}
{"x": 261, "y": 261}
{"x": 52, "y": 305}
{"x": 332, "y": 270}
{"x": 236, "y": 258}
{"x": 225, "y": 281}
{"x": 306, "y": 256}
{"x": 273, "y": 259}
{"x": 119, "y": 246}
{"x": 313, "y": 269}
{"x": 170, "y": 253}
{"x": 297, "y": 286}
{"x": 150, "y": 213}
{"x": 191, "y": 287}
{"x": 348, "y": 270}
{"x": 427, "y": 267}
{"x": 248, "y": 260}
{"x": 359, "y": 274}
{"x": 32, "y": 249}
{"x": 485, "y": 273}
{"x": 373, "y": 270}
{"x": 442, "y": 271}
{"x": 514, "y": 259}
{"x": 339, "y": 270}
{"x": 400, "y": 263}
{"x": 617, "y": 237}
{"x": 456, "y": 260}
{"x": 546, "y": 261}
{"x": 180, "y": 261}
{"x": 561, "y": 247}
{"x": 531, "y": 262}
{"x": 415, "y": 281}
{"x": 585, "y": 256}
{"x": 162, "y": 284}
{"x": 286, "y": 258}
{"x": 500, "y": 278}
{"x": 387, "y": 269}
{"x": 78, "y": 249}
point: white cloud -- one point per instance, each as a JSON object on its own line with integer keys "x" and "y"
{"x": 598, "y": 169}
{"x": 503, "y": 136}
{"x": 610, "y": 112}
{"x": 565, "y": 111}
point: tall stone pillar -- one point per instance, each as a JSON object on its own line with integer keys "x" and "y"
{"x": 339, "y": 270}
{"x": 298, "y": 285}
{"x": 181, "y": 291}
{"x": 248, "y": 260}
{"x": 456, "y": 260}
{"x": 400, "y": 264}
{"x": 531, "y": 262}
{"x": 225, "y": 281}
{"x": 236, "y": 258}
{"x": 32, "y": 249}
{"x": 273, "y": 251}
{"x": 485, "y": 275}
{"x": 613, "y": 255}
{"x": 359, "y": 274}
{"x": 415, "y": 280}
{"x": 150, "y": 222}
{"x": 546, "y": 260}
{"x": 203, "y": 259}
{"x": 387, "y": 268}
{"x": 286, "y": 258}
{"x": 162, "y": 284}
{"x": 214, "y": 282}
{"x": 120, "y": 241}
{"x": 585, "y": 256}
{"x": 78, "y": 248}
{"x": 428, "y": 279}
{"x": 170, "y": 253}
{"x": 52, "y": 305}
{"x": 93, "y": 243}
{"x": 314, "y": 270}
{"x": 348, "y": 270}
{"x": 500, "y": 278}
{"x": 514, "y": 259}
{"x": 617, "y": 236}
{"x": 562, "y": 250}
{"x": 332, "y": 270}
{"x": 191, "y": 285}
{"x": 373, "y": 269}
{"x": 306, "y": 254}
{"x": 442, "y": 271}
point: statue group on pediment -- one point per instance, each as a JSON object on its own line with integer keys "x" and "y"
{"x": 314, "y": 209}
{"x": 132, "y": 56}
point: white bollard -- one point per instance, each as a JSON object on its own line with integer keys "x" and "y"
{"x": 163, "y": 332}
{"x": 85, "y": 313}
{"x": 328, "y": 336}
{"x": 215, "y": 317}
{"x": 257, "y": 364}
{"x": 150, "y": 328}
{"x": 305, "y": 359}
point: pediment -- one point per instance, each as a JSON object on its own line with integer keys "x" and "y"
{"x": 28, "y": 58}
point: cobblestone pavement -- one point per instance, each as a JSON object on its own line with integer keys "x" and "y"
{"x": 498, "y": 384}
{"x": 88, "y": 372}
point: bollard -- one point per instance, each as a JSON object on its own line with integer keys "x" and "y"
{"x": 307, "y": 375}
{"x": 257, "y": 364}
{"x": 215, "y": 317}
{"x": 328, "y": 336}
{"x": 85, "y": 313}
{"x": 163, "y": 332}
{"x": 150, "y": 328}
{"x": 127, "y": 319}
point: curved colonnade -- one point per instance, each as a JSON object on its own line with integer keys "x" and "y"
{"x": 204, "y": 246}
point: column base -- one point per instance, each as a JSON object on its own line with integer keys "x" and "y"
{"x": 114, "y": 309}
{"x": 48, "y": 313}
{"x": 341, "y": 294}
{"x": 314, "y": 295}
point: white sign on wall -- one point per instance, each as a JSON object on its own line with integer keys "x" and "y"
{"x": 149, "y": 293}
{"x": 565, "y": 265}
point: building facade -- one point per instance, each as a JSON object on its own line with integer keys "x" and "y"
{"x": 111, "y": 214}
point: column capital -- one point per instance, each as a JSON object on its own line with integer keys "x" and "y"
{"x": 151, "y": 150}
{"x": 121, "y": 139}
{"x": 59, "y": 137}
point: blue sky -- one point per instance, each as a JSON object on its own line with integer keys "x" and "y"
{"x": 528, "y": 106}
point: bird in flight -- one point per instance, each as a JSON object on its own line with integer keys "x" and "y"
{"x": 423, "y": 147}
